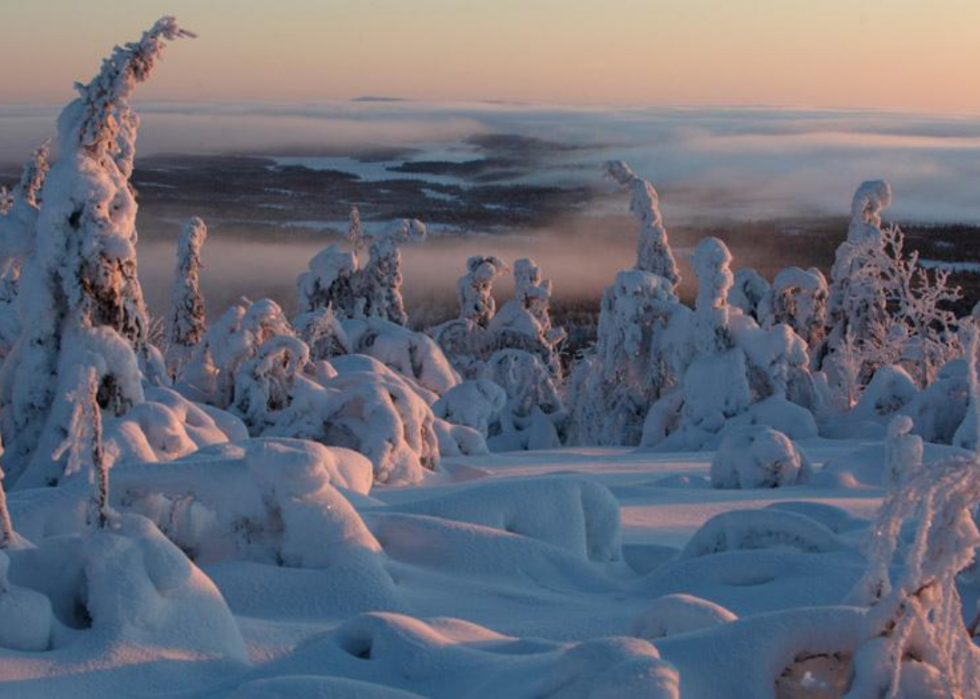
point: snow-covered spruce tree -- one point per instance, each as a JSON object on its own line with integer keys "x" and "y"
{"x": 230, "y": 342}
{"x": 474, "y": 290}
{"x": 525, "y": 321}
{"x": 18, "y": 225}
{"x": 330, "y": 281}
{"x": 186, "y": 324}
{"x": 82, "y": 274}
{"x": 715, "y": 384}
{"x": 854, "y": 304}
{"x": 323, "y": 333}
{"x": 263, "y": 383}
{"x": 379, "y": 284}
{"x": 653, "y": 253}
{"x": 465, "y": 339}
{"x": 799, "y": 299}
{"x": 749, "y": 292}
{"x": 615, "y": 382}
{"x": 917, "y": 643}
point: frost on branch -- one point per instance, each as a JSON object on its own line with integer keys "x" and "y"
{"x": 916, "y": 637}
{"x": 83, "y": 271}
{"x": 186, "y": 324}
{"x": 653, "y": 253}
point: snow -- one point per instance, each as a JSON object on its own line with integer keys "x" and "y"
{"x": 781, "y": 479}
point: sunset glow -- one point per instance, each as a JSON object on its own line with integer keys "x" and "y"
{"x": 886, "y": 54}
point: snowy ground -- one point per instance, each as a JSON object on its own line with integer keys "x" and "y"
{"x": 520, "y": 577}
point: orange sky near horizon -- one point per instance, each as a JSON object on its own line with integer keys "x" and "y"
{"x": 907, "y": 55}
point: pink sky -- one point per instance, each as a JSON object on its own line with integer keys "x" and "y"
{"x": 917, "y": 55}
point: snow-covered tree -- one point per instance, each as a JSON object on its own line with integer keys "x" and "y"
{"x": 715, "y": 384}
{"x": 186, "y": 324}
{"x": 854, "y": 303}
{"x": 82, "y": 273}
{"x": 380, "y": 282}
{"x": 229, "y": 343}
{"x": 917, "y": 641}
{"x": 534, "y": 413}
{"x": 474, "y": 290}
{"x": 799, "y": 299}
{"x": 18, "y": 225}
{"x": 323, "y": 333}
{"x": 749, "y": 292}
{"x": 613, "y": 385}
{"x": 330, "y": 281}
{"x": 653, "y": 253}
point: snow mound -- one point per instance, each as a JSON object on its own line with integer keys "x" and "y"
{"x": 268, "y": 501}
{"x": 129, "y": 587}
{"x": 26, "y": 619}
{"x": 450, "y": 658}
{"x": 679, "y": 613}
{"x": 411, "y": 354}
{"x": 763, "y": 650}
{"x": 758, "y": 457}
{"x": 579, "y": 516}
{"x": 477, "y": 404}
{"x": 166, "y": 427}
{"x": 307, "y": 687}
{"x": 449, "y": 547}
{"x": 760, "y": 529}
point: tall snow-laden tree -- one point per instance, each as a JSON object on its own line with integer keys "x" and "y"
{"x": 524, "y": 322}
{"x": 617, "y": 380}
{"x": 893, "y": 309}
{"x": 81, "y": 282}
{"x": 186, "y": 324}
{"x": 653, "y": 253}
{"x": 18, "y": 225}
{"x": 380, "y": 282}
{"x": 854, "y": 303}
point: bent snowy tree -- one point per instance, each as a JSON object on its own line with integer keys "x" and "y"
{"x": 79, "y": 287}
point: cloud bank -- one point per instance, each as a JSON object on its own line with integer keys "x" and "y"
{"x": 707, "y": 162}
